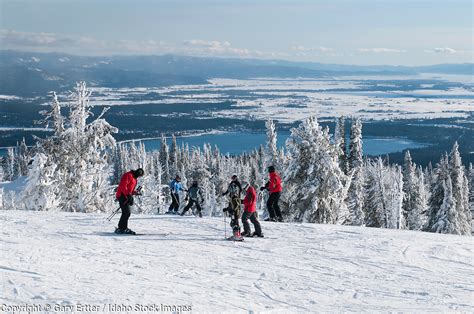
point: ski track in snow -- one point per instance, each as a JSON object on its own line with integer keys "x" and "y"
{"x": 71, "y": 258}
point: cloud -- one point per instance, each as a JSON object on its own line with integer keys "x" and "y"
{"x": 442, "y": 50}
{"x": 312, "y": 49}
{"x": 11, "y": 39}
{"x": 214, "y": 47}
{"x": 381, "y": 50}
{"x": 44, "y": 42}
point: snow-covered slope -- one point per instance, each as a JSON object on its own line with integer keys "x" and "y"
{"x": 72, "y": 258}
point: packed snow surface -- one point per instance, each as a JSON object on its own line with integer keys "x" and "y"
{"x": 66, "y": 259}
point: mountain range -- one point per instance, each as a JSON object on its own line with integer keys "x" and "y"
{"x": 30, "y": 74}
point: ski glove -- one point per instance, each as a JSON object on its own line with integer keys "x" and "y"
{"x": 262, "y": 188}
{"x": 130, "y": 200}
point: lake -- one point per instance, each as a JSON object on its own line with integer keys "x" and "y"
{"x": 236, "y": 143}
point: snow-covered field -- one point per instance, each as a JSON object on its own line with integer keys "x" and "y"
{"x": 66, "y": 259}
{"x": 290, "y": 100}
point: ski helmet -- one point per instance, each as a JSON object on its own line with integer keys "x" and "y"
{"x": 271, "y": 169}
{"x": 139, "y": 172}
{"x": 178, "y": 178}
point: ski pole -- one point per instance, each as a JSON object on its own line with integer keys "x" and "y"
{"x": 225, "y": 225}
{"x": 113, "y": 214}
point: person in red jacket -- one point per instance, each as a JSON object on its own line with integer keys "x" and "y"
{"x": 274, "y": 188}
{"x": 250, "y": 212}
{"x": 125, "y": 192}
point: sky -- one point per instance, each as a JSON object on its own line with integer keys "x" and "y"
{"x": 365, "y": 32}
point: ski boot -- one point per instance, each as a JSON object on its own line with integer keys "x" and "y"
{"x": 129, "y": 231}
{"x": 236, "y": 237}
{"x": 246, "y": 234}
{"x": 255, "y": 235}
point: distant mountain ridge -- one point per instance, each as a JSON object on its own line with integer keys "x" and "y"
{"x": 35, "y": 74}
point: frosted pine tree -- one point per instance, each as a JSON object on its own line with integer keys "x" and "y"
{"x": 80, "y": 155}
{"x": 41, "y": 190}
{"x": 460, "y": 191}
{"x": 173, "y": 155}
{"x": 355, "y": 197}
{"x": 471, "y": 187}
{"x": 409, "y": 185}
{"x": 165, "y": 159}
{"x": 447, "y": 216}
{"x": 375, "y": 192}
{"x": 437, "y": 189}
{"x": 315, "y": 186}
{"x": 419, "y": 199}
{"x": 272, "y": 149}
{"x": 340, "y": 141}
{"x": 394, "y": 198}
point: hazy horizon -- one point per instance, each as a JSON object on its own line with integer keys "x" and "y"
{"x": 367, "y": 32}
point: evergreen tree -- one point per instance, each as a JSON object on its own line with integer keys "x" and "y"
{"x": 315, "y": 185}
{"x": 340, "y": 141}
{"x": 460, "y": 191}
{"x": 41, "y": 190}
{"x": 165, "y": 159}
{"x": 272, "y": 149}
{"x": 409, "y": 185}
{"x": 355, "y": 197}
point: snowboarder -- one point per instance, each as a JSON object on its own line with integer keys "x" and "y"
{"x": 175, "y": 188}
{"x": 234, "y": 190}
{"x": 125, "y": 192}
{"x": 250, "y": 212}
{"x": 274, "y": 188}
{"x": 195, "y": 197}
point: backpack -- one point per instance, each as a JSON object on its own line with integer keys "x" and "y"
{"x": 234, "y": 190}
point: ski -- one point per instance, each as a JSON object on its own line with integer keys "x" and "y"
{"x": 233, "y": 238}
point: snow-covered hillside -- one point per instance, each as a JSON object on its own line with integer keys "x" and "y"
{"x": 71, "y": 258}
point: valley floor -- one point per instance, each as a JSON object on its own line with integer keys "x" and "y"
{"x": 66, "y": 259}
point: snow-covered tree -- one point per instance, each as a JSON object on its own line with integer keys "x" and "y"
{"x": 418, "y": 202}
{"x": 165, "y": 159}
{"x": 79, "y": 155}
{"x": 447, "y": 216}
{"x": 272, "y": 149}
{"x": 460, "y": 187}
{"x": 173, "y": 157}
{"x": 315, "y": 185}
{"x": 355, "y": 197}
{"x": 41, "y": 191}
{"x": 409, "y": 185}
{"x": 471, "y": 187}
{"x": 340, "y": 141}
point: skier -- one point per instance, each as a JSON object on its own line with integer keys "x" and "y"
{"x": 234, "y": 190}
{"x": 195, "y": 197}
{"x": 125, "y": 192}
{"x": 274, "y": 188}
{"x": 250, "y": 212}
{"x": 175, "y": 187}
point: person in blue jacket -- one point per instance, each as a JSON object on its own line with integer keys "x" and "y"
{"x": 175, "y": 188}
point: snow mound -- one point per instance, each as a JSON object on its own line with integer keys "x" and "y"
{"x": 68, "y": 259}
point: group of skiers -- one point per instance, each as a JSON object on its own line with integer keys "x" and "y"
{"x": 194, "y": 196}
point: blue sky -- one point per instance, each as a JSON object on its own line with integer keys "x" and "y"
{"x": 349, "y": 32}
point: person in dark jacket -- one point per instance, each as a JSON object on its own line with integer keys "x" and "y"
{"x": 234, "y": 190}
{"x": 274, "y": 188}
{"x": 250, "y": 212}
{"x": 175, "y": 188}
{"x": 195, "y": 197}
{"x": 124, "y": 194}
